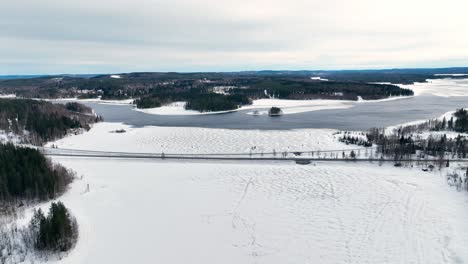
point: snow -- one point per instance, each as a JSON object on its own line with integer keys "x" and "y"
{"x": 175, "y": 108}
{"x": 297, "y": 106}
{"x": 392, "y": 98}
{"x": 242, "y": 212}
{"x": 112, "y": 102}
{"x": 199, "y": 140}
{"x": 7, "y": 95}
{"x": 452, "y": 74}
{"x": 116, "y": 76}
{"x": 318, "y": 78}
{"x": 447, "y": 116}
{"x": 288, "y": 107}
{"x": 440, "y": 87}
{"x": 9, "y": 137}
{"x": 96, "y": 100}
{"x": 173, "y": 212}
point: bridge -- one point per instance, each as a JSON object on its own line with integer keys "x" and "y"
{"x": 304, "y": 157}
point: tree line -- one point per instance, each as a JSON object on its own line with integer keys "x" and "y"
{"x": 46, "y": 237}
{"x": 57, "y": 231}
{"x": 40, "y": 121}
{"x": 157, "y": 89}
{"x": 26, "y": 175}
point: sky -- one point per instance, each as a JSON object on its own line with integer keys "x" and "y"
{"x": 112, "y": 36}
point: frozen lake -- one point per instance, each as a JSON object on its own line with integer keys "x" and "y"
{"x": 360, "y": 117}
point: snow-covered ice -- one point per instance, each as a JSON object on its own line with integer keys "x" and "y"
{"x": 242, "y": 212}
{"x": 440, "y": 87}
{"x": 174, "y": 212}
{"x": 200, "y": 140}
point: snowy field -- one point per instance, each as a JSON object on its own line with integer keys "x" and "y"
{"x": 241, "y": 212}
{"x": 174, "y": 212}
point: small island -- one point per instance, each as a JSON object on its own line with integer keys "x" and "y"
{"x": 275, "y": 111}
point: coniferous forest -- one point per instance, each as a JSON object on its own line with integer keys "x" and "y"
{"x": 57, "y": 231}
{"x": 25, "y": 174}
{"x": 40, "y": 121}
{"x": 206, "y": 92}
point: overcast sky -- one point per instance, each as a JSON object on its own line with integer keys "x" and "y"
{"x": 112, "y": 36}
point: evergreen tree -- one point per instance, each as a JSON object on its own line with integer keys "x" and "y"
{"x": 58, "y": 231}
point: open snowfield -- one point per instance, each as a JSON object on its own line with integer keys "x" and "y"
{"x": 174, "y": 212}
{"x": 242, "y": 212}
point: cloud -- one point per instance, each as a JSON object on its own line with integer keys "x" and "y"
{"x": 74, "y": 36}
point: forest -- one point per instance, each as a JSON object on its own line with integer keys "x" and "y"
{"x": 203, "y": 96}
{"x": 156, "y": 89}
{"x": 406, "y": 142}
{"x": 26, "y": 175}
{"x": 57, "y": 231}
{"x": 39, "y": 121}
{"x": 46, "y": 237}
{"x": 308, "y": 89}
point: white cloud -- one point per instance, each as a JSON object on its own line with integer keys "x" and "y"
{"x": 51, "y": 36}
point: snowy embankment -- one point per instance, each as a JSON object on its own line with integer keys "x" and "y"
{"x": 175, "y": 108}
{"x": 261, "y": 106}
{"x": 234, "y": 212}
{"x": 392, "y": 129}
{"x": 426, "y": 134}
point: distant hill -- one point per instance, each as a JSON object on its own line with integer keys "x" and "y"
{"x": 13, "y": 77}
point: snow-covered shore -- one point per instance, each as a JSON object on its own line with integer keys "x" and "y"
{"x": 261, "y": 106}
{"x": 288, "y": 107}
{"x": 94, "y": 100}
{"x": 440, "y": 87}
